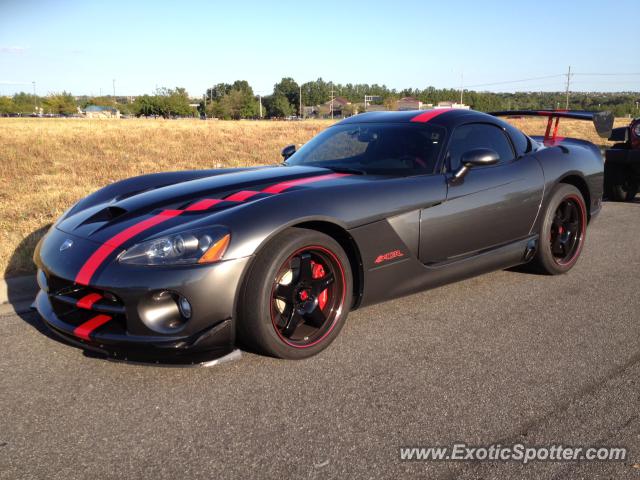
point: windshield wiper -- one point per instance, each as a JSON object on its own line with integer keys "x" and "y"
{"x": 339, "y": 169}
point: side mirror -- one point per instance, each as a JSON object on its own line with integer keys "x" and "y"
{"x": 479, "y": 157}
{"x": 288, "y": 151}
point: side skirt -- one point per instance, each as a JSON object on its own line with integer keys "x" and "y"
{"x": 409, "y": 275}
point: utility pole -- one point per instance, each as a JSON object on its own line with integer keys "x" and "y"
{"x": 568, "y": 82}
{"x": 35, "y": 104}
{"x": 331, "y": 100}
{"x": 461, "y": 87}
{"x": 204, "y": 97}
{"x": 114, "y": 89}
{"x": 260, "y": 104}
{"x": 300, "y": 99}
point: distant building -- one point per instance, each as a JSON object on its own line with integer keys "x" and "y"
{"x": 461, "y": 106}
{"x": 99, "y": 111}
{"x": 409, "y": 103}
{"x": 376, "y": 108}
{"x": 338, "y": 105}
{"x": 309, "y": 111}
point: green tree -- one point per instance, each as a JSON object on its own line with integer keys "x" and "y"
{"x": 231, "y": 101}
{"x": 280, "y": 107}
{"x": 166, "y": 103}
{"x": 316, "y": 92}
{"x": 6, "y": 106}
{"x": 24, "y": 103}
{"x": 288, "y": 88}
{"x": 60, "y": 104}
{"x": 238, "y": 104}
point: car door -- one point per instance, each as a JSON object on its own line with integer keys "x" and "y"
{"x": 492, "y": 205}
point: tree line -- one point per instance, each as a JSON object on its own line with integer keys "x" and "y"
{"x": 238, "y": 100}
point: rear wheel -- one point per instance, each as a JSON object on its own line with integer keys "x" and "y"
{"x": 296, "y": 296}
{"x": 563, "y": 231}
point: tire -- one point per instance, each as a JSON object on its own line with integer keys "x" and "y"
{"x": 619, "y": 186}
{"x": 624, "y": 192}
{"x": 563, "y": 231}
{"x": 283, "y": 310}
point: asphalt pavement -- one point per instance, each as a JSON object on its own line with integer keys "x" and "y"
{"x": 505, "y": 358}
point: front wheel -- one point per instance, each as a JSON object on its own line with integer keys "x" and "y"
{"x": 296, "y": 296}
{"x": 563, "y": 231}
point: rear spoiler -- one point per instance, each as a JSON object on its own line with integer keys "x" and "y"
{"x": 602, "y": 121}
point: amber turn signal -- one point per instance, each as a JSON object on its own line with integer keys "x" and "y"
{"x": 216, "y": 251}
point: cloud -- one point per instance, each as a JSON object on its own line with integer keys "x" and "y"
{"x": 13, "y": 49}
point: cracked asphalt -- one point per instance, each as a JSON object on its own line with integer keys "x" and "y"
{"x": 504, "y": 358}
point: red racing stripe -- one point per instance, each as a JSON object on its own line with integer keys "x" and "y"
{"x": 280, "y": 187}
{"x": 241, "y": 196}
{"x": 203, "y": 204}
{"x": 87, "y": 301}
{"x": 429, "y": 114}
{"x": 83, "y": 331}
{"x": 100, "y": 255}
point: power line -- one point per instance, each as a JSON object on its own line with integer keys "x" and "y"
{"x": 506, "y": 82}
{"x": 609, "y": 74}
{"x": 516, "y": 81}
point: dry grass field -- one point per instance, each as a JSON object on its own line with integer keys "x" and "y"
{"x": 48, "y": 164}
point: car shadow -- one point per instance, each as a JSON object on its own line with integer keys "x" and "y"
{"x": 16, "y": 297}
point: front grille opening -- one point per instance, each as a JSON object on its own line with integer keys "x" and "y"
{"x": 65, "y": 295}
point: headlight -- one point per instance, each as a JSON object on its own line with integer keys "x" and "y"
{"x": 201, "y": 246}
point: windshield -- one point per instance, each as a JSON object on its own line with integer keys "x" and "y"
{"x": 384, "y": 149}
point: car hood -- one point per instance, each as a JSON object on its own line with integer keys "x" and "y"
{"x": 190, "y": 200}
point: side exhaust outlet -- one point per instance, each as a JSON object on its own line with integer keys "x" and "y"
{"x": 530, "y": 251}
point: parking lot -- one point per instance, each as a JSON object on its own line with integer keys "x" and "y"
{"x": 504, "y": 358}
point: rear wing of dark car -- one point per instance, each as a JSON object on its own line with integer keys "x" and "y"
{"x": 602, "y": 121}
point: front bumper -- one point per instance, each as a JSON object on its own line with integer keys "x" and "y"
{"x": 213, "y": 342}
{"x": 124, "y": 294}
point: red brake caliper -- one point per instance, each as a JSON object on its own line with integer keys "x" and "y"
{"x": 317, "y": 271}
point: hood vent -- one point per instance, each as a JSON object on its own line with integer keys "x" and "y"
{"x": 105, "y": 215}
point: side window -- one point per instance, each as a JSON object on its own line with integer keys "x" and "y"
{"x": 519, "y": 139}
{"x": 478, "y": 135}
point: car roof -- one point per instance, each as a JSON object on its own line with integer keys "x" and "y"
{"x": 448, "y": 117}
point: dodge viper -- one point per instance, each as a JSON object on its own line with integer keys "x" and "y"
{"x": 189, "y": 264}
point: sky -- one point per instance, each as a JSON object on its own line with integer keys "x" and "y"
{"x": 82, "y": 46}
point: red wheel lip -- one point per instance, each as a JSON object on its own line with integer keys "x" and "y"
{"x": 583, "y": 213}
{"x": 339, "y": 310}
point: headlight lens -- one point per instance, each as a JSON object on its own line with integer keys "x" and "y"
{"x": 202, "y": 246}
